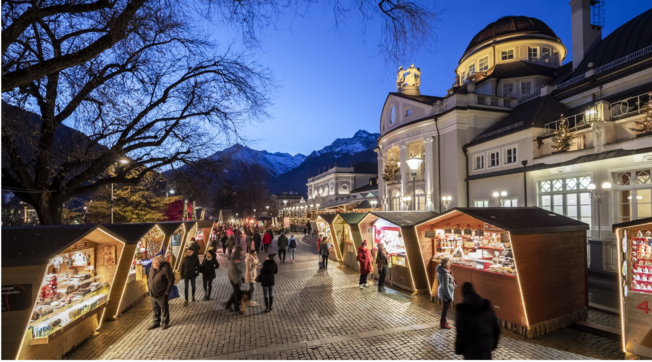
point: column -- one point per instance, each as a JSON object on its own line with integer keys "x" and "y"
{"x": 404, "y": 178}
{"x": 381, "y": 182}
{"x": 430, "y": 173}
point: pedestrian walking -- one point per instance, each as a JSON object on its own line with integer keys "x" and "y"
{"x": 446, "y": 289}
{"x": 207, "y": 269}
{"x": 194, "y": 246}
{"x": 189, "y": 271}
{"x": 213, "y": 240}
{"x": 257, "y": 240}
{"x": 324, "y": 251}
{"x": 223, "y": 241}
{"x": 236, "y": 273}
{"x": 160, "y": 283}
{"x": 267, "y": 240}
{"x": 282, "y": 244}
{"x": 249, "y": 241}
{"x": 364, "y": 259}
{"x": 477, "y": 329}
{"x": 230, "y": 244}
{"x": 252, "y": 264}
{"x": 383, "y": 266}
{"x": 292, "y": 246}
{"x": 308, "y": 227}
{"x": 267, "y": 278}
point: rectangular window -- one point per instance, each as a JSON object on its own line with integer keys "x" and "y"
{"x": 481, "y": 203}
{"x": 494, "y": 159}
{"x": 507, "y": 54}
{"x": 563, "y": 196}
{"x": 510, "y": 155}
{"x": 508, "y": 90}
{"x": 471, "y": 69}
{"x": 511, "y": 203}
{"x": 483, "y": 64}
{"x": 533, "y": 54}
{"x": 526, "y": 88}
{"x": 546, "y": 55}
{"x": 408, "y": 112}
{"x": 479, "y": 162}
{"x": 634, "y": 191}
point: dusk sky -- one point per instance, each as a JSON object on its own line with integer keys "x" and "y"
{"x": 333, "y": 83}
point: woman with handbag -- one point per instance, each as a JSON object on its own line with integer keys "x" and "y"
{"x": 252, "y": 264}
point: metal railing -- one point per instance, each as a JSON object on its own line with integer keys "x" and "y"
{"x": 486, "y": 100}
{"x": 630, "y": 106}
{"x": 571, "y": 81}
{"x": 609, "y": 254}
{"x": 531, "y": 96}
{"x": 574, "y": 122}
{"x": 504, "y": 129}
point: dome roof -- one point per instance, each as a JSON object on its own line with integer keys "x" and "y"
{"x": 510, "y": 25}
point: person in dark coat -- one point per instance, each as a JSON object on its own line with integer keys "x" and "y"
{"x": 267, "y": 278}
{"x": 364, "y": 259}
{"x": 207, "y": 269}
{"x": 382, "y": 263}
{"x": 189, "y": 271}
{"x": 236, "y": 273}
{"x": 194, "y": 246}
{"x": 257, "y": 240}
{"x": 308, "y": 227}
{"x": 282, "y": 244}
{"x": 223, "y": 241}
{"x": 324, "y": 251}
{"x": 160, "y": 282}
{"x": 446, "y": 289}
{"x": 477, "y": 327}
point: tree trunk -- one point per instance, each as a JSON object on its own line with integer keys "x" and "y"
{"x": 48, "y": 208}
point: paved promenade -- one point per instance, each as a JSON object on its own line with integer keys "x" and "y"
{"x": 317, "y": 315}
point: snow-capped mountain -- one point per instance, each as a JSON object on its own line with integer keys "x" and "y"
{"x": 274, "y": 163}
{"x": 360, "y": 142}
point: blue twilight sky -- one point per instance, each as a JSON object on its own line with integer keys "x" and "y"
{"x": 334, "y": 82}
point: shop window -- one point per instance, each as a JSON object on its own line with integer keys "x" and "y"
{"x": 510, "y": 155}
{"x": 494, "y": 159}
{"x": 483, "y": 64}
{"x": 526, "y": 88}
{"x": 564, "y": 197}
{"x": 481, "y": 203}
{"x": 508, "y": 89}
{"x": 533, "y": 54}
{"x": 479, "y": 162}
{"x": 471, "y": 69}
{"x": 546, "y": 54}
{"x": 507, "y": 54}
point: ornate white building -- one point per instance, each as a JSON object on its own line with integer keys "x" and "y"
{"x": 493, "y": 130}
{"x": 336, "y": 185}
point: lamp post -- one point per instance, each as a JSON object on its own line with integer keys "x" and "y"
{"x": 169, "y": 192}
{"x": 599, "y": 198}
{"x": 499, "y": 198}
{"x": 446, "y": 201}
{"x": 414, "y": 164}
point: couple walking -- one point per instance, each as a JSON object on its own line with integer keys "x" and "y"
{"x": 245, "y": 269}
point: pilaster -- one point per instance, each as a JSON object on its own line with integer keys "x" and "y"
{"x": 429, "y": 173}
{"x": 404, "y": 166}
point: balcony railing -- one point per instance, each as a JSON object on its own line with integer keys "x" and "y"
{"x": 630, "y": 106}
{"x": 531, "y": 96}
{"x": 574, "y": 122}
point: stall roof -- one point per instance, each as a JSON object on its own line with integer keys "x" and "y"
{"x": 647, "y": 220}
{"x": 523, "y": 220}
{"x": 205, "y": 223}
{"x": 169, "y": 227}
{"x": 189, "y": 224}
{"x": 405, "y": 218}
{"x": 353, "y": 218}
{"x": 328, "y": 217}
{"x": 131, "y": 233}
{"x": 35, "y": 245}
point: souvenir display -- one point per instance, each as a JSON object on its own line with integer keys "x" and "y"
{"x": 390, "y": 235}
{"x": 148, "y": 247}
{"x": 641, "y": 261}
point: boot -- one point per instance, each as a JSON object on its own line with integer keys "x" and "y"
{"x": 266, "y": 305}
{"x": 271, "y": 301}
{"x": 444, "y": 325}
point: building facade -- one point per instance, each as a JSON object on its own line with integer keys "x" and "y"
{"x": 337, "y": 183}
{"x": 514, "y": 103}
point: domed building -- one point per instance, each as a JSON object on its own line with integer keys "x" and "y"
{"x": 524, "y": 122}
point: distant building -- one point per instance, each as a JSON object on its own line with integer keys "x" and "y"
{"x": 338, "y": 182}
{"x": 285, "y": 202}
{"x": 362, "y": 199}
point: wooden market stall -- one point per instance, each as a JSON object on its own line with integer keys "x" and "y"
{"x": 347, "y": 236}
{"x": 635, "y": 280}
{"x": 143, "y": 242}
{"x": 173, "y": 231}
{"x": 395, "y": 229}
{"x": 190, "y": 230}
{"x": 326, "y": 229}
{"x": 56, "y": 285}
{"x": 203, "y": 233}
{"x": 529, "y": 262}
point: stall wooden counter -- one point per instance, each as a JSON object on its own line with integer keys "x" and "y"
{"x": 56, "y": 285}
{"x": 635, "y": 281}
{"x": 529, "y": 262}
{"x": 348, "y": 237}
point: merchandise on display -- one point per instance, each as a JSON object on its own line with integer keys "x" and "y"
{"x": 148, "y": 247}
{"x": 641, "y": 261}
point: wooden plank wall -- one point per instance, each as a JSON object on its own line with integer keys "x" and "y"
{"x": 413, "y": 251}
{"x": 552, "y": 272}
{"x": 120, "y": 280}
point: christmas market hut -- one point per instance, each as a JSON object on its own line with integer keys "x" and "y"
{"x": 529, "y": 262}
{"x": 326, "y": 229}
{"x": 173, "y": 231}
{"x": 56, "y": 284}
{"x": 190, "y": 230}
{"x": 144, "y": 241}
{"x": 203, "y": 234}
{"x": 347, "y": 237}
{"x": 395, "y": 229}
{"x": 635, "y": 284}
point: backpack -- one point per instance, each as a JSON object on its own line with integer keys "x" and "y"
{"x": 293, "y": 243}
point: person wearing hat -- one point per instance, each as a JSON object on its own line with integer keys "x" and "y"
{"x": 267, "y": 278}
{"x": 194, "y": 246}
{"x": 189, "y": 271}
{"x": 207, "y": 269}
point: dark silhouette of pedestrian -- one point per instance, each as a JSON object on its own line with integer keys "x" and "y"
{"x": 478, "y": 330}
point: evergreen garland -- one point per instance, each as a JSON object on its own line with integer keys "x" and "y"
{"x": 563, "y": 138}
{"x": 645, "y": 124}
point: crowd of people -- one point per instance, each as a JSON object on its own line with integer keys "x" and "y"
{"x": 477, "y": 329}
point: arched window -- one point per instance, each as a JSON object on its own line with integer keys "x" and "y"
{"x": 396, "y": 200}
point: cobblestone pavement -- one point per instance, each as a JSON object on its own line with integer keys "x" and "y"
{"x": 317, "y": 315}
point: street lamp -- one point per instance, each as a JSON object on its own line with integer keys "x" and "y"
{"x": 599, "y": 198}
{"x": 169, "y": 192}
{"x": 446, "y": 201}
{"x": 499, "y": 198}
{"x": 123, "y": 161}
{"x": 414, "y": 164}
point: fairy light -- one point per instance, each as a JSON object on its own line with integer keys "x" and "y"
{"x": 416, "y": 233}
{"x": 620, "y": 291}
{"x": 432, "y": 286}
{"x": 518, "y": 279}
{"x": 22, "y": 342}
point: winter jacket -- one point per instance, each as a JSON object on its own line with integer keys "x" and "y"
{"x": 194, "y": 246}
{"x": 267, "y": 273}
{"x": 160, "y": 281}
{"x": 446, "y": 284}
{"x": 251, "y": 263}
{"x": 323, "y": 248}
{"x": 381, "y": 261}
{"x": 476, "y": 325}
{"x": 236, "y": 268}
{"x": 257, "y": 240}
{"x": 364, "y": 259}
{"x": 292, "y": 244}
{"x": 282, "y": 242}
{"x": 224, "y": 239}
{"x": 190, "y": 266}
{"x": 230, "y": 242}
{"x": 267, "y": 239}
{"x": 208, "y": 267}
